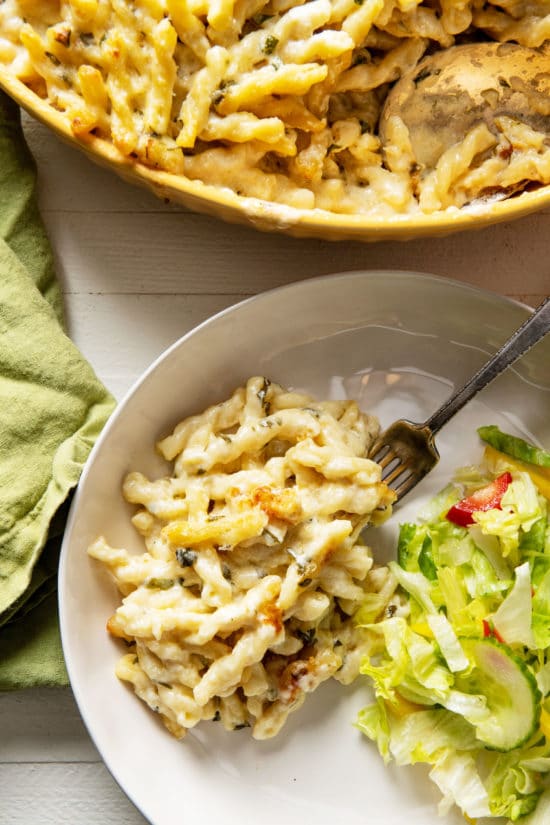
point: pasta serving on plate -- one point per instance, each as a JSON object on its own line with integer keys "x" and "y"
{"x": 243, "y": 599}
{"x": 277, "y": 100}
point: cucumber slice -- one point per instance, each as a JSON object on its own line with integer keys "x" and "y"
{"x": 510, "y": 688}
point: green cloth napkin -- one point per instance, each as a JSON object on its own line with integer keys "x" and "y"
{"x": 52, "y": 408}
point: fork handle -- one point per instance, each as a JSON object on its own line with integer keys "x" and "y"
{"x": 531, "y": 331}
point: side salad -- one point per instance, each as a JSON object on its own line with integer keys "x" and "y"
{"x": 460, "y": 665}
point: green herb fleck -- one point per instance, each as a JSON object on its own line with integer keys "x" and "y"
{"x": 424, "y": 74}
{"x": 262, "y": 395}
{"x": 160, "y": 584}
{"x": 219, "y": 94}
{"x": 55, "y": 60}
{"x": 307, "y": 636}
{"x": 259, "y": 19}
{"x": 270, "y": 44}
{"x": 185, "y": 556}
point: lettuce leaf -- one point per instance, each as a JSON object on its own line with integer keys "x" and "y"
{"x": 514, "y": 617}
{"x": 457, "y": 777}
{"x": 541, "y": 613}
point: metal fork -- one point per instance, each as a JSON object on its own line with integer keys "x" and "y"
{"x": 406, "y": 451}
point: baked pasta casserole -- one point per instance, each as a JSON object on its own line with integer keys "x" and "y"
{"x": 242, "y": 601}
{"x": 277, "y": 100}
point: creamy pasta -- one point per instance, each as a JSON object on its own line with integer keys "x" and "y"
{"x": 243, "y": 598}
{"x": 274, "y": 99}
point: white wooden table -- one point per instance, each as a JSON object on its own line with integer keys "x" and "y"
{"x": 137, "y": 274}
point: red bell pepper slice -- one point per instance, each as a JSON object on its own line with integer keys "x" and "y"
{"x": 486, "y": 498}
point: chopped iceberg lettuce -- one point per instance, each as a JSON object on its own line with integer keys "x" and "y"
{"x": 462, "y": 675}
{"x": 514, "y": 617}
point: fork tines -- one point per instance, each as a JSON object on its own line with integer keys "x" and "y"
{"x": 397, "y": 472}
{"x": 405, "y": 452}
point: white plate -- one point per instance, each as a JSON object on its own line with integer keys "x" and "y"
{"x": 396, "y": 341}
